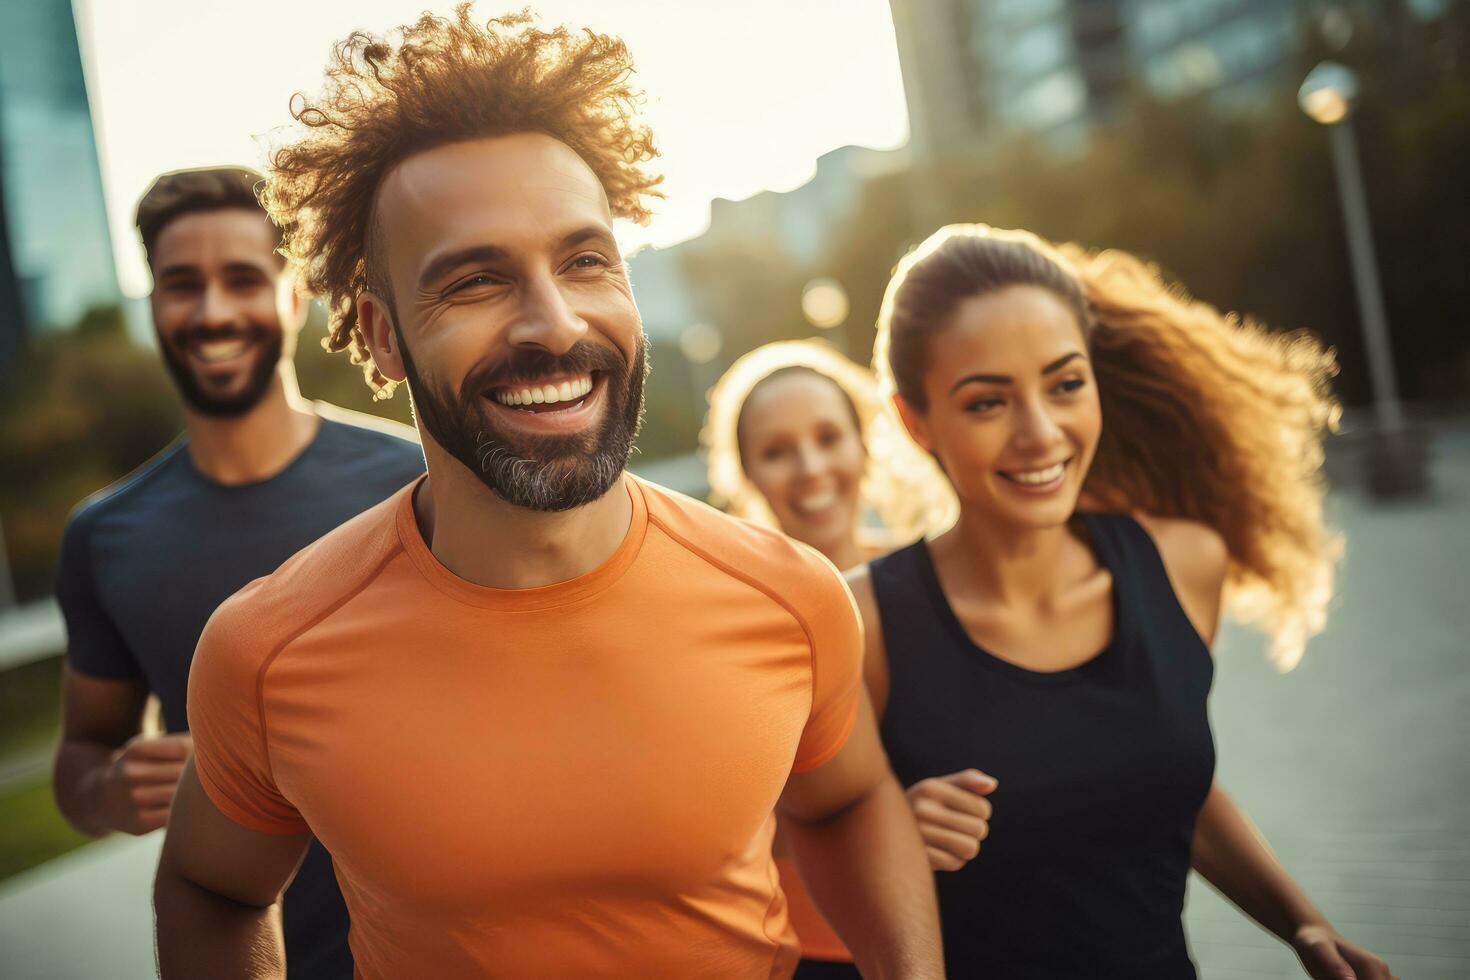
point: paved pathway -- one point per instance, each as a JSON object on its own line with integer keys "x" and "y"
{"x": 87, "y": 915}
{"x": 1354, "y": 766}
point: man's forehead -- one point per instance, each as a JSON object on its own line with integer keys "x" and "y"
{"x": 228, "y": 234}
{"x": 516, "y": 178}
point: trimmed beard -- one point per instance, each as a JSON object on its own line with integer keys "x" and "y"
{"x": 541, "y": 473}
{"x": 197, "y": 396}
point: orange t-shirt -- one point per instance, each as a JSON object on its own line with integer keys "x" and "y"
{"x": 817, "y": 938}
{"x": 568, "y": 781}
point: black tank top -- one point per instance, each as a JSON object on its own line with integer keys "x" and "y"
{"x": 1102, "y": 770}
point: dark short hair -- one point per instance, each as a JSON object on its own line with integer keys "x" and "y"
{"x": 182, "y": 192}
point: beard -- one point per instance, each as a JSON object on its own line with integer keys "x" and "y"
{"x": 536, "y": 472}
{"x": 196, "y": 394}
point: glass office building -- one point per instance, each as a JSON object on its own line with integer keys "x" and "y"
{"x": 60, "y": 259}
{"x": 978, "y": 69}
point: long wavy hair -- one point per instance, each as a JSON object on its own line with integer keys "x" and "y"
{"x": 906, "y": 492}
{"x": 1207, "y": 416}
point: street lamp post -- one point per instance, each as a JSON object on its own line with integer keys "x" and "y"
{"x": 1397, "y": 462}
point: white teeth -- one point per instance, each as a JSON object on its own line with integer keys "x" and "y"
{"x": 220, "y": 350}
{"x": 816, "y": 502}
{"x": 548, "y": 394}
{"x": 1037, "y": 477}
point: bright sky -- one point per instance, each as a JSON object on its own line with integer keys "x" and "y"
{"x": 743, "y": 97}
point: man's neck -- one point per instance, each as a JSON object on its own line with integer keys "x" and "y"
{"x": 482, "y": 539}
{"x": 257, "y": 445}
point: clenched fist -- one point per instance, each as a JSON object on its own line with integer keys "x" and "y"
{"x": 138, "y": 787}
{"x": 953, "y": 815}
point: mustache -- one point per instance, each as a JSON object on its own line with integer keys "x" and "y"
{"x": 584, "y": 357}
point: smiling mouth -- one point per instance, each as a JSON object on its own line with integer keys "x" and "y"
{"x": 547, "y": 395}
{"x": 814, "y": 503}
{"x": 209, "y": 351}
{"x": 1036, "y": 478}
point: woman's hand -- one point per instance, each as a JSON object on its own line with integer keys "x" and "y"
{"x": 953, "y": 815}
{"x": 1328, "y": 956}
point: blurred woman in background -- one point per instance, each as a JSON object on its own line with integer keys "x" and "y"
{"x": 1126, "y": 461}
{"x": 790, "y": 430}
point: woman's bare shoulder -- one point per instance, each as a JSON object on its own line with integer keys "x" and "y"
{"x": 1197, "y": 559}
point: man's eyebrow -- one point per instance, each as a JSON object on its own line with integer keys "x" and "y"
{"x": 586, "y": 235}
{"x": 243, "y": 266}
{"x": 176, "y": 269}
{"x": 462, "y": 256}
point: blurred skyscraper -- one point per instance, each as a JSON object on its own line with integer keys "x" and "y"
{"x": 978, "y": 70}
{"x": 60, "y": 256}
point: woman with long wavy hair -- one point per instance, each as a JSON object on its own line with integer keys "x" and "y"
{"x": 1127, "y": 462}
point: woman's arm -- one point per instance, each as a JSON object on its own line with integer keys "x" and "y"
{"x": 1231, "y": 854}
{"x": 952, "y": 811}
{"x": 1228, "y": 850}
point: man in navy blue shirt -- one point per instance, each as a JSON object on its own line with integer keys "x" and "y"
{"x": 258, "y": 474}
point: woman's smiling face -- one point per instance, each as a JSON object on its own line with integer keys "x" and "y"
{"x": 1013, "y": 413}
{"x": 801, "y": 447}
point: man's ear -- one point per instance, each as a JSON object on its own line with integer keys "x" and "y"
{"x": 916, "y": 422}
{"x": 374, "y": 319}
{"x": 293, "y": 304}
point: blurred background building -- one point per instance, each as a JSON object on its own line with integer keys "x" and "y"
{"x": 56, "y": 258}
{"x": 977, "y": 70}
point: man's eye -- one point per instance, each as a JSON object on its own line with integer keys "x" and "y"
{"x": 478, "y": 279}
{"x": 590, "y": 260}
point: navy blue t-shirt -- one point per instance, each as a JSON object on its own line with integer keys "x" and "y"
{"x": 145, "y": 562}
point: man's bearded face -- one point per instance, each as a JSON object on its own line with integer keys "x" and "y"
{"x": 539, "y": 472}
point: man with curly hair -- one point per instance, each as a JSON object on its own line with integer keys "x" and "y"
{"x": 541, "y": 713}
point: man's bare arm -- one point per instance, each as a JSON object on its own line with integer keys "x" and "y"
{"x": 108, "y": 775}
{"x": 218, "y": 891}
{"x": 862, "y": 859}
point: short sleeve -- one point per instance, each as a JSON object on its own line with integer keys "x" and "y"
{"x": 836, "y": 630}
{"x": 94, "y": 646}
{"x": 231, "y": 743}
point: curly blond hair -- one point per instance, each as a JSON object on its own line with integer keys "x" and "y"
{"x": 906, "y": 491}
{"x": 1206, "y": 416}
{"x": 439, "y": 81}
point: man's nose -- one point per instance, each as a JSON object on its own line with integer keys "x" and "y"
{"x": 547, "y": 321}
{"x": 215, "y": 308}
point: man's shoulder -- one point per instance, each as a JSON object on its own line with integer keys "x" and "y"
{"x": 365, "y": 430}
{"x": 303, "y": 591}
{"x": 135, "y": 489}
{"x": 766, "y": 558}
